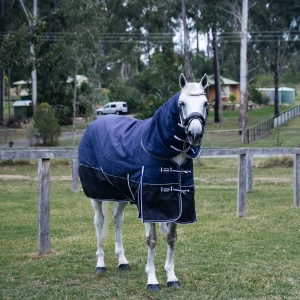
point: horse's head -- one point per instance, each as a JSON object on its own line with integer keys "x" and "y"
{"x": 193, "y": 108}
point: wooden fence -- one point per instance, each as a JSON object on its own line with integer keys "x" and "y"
{"x": 245, "y": 164}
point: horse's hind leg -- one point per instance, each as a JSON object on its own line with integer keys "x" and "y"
{"x": 98, "y": 222}
{"x": 151, "y": 240}
{"x": 172, "y": 280}
{"x": 118, "y": 222}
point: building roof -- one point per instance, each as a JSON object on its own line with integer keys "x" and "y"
{"x": 223, "y": 80}
{"x": 22, "y": 103}
{"x": 21, "y": 82}
{"x": 279, "y": 89}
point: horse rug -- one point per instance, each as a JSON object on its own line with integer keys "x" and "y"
{"x": 125, "y": 159}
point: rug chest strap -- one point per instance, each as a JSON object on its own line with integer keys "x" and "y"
{"x": 171, "y": 170}
{"x": 171, "y": 189}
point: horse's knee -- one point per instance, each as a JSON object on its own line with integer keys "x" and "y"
{"x": 171, "y": 240}
{"x": 172, "y": 236}
{"x": 151, "y": 240}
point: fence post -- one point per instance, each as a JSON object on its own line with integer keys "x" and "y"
{"x": 249, "y": 171}
{"x": 296, "y": 178}
{"x": 75, "y": 175}
{"x": 44, "y": 206}
{"x": 241, "y": 195}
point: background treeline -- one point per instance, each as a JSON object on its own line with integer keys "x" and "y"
{"x": 133, "y": 50}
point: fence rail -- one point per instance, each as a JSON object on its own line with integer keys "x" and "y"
{"x": 245, "y": 157}
{"x": 260, "y": 130}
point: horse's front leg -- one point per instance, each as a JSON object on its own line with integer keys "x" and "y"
{"x": 151, "y": 241}
{"x": 118, "y": 222}
{"x": 98, "y": 222}
{"x": 172, "y": 280}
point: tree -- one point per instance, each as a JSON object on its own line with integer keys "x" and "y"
{"x": 79, "y": 45}
{"x": 46, "y": 124}
{"x": 32, "y": 20}
{"x": 212, "y": 19}
{"x": 276, "y": 36}
{"x": 242, "y": 20}
{"x": 187, "y": 65}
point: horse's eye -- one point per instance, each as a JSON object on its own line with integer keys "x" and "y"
{"x": 205, "y": 104}
{"x": 181, "y": 103}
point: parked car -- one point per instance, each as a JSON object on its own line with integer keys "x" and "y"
{"x": 113, "y": 108}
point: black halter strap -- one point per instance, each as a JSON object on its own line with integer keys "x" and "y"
{"x": 192, "y": 116}
{"x": 195, "y": 115}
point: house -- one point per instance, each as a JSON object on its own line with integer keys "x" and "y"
{"x": 22, "y": 87}
{"x": 228, "y": 86}
{"x": 23, "y": 109}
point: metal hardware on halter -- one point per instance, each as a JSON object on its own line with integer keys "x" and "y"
{"x": 195, "y": 115}
{"x": 170, "y": 170}
{"x": 167, "y": 190}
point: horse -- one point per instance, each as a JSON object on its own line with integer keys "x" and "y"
{"x": 148, "y": 163}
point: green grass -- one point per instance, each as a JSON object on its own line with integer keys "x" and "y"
{"x": 219, "y": 257}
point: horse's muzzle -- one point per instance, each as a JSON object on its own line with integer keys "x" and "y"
{"x": 194, "y": 132}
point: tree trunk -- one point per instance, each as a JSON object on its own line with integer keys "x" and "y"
{"x": 32, "y": 23}
{"x": 276, "y": 96}
{"x": 243, "y": 120}
{"x": 218, "y": 100}
{"x": 187, "y": 65}
{"x": 74, "y": 105}
{"x": 1, "y": 95}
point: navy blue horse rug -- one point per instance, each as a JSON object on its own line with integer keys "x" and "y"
{"x": 125, "y": 159}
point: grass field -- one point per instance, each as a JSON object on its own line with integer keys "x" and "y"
{"x": 219, "y": 257}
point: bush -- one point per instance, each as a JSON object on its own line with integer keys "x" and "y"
{"x": 257, "y": 97}
{"x": 46, "y": 125}
{"x": 232, "y": 97}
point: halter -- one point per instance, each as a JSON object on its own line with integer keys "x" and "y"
{"x": 185, "y": 122}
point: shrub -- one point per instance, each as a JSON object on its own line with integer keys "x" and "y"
{"x": 255, "y": 96}
{"x": 46, "y": 125}
{"x": 232, "y": 97}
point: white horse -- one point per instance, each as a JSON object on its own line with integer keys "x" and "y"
{"x": 148, "y": 163}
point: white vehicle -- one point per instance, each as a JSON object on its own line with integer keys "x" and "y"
{"x": 113, "y": 108}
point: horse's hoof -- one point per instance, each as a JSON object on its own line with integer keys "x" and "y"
{"x": 100, "y": 271}
{"x": 124, "y": 267}
{"x": 173, "y": 284}
{"x": 153, "y": 287}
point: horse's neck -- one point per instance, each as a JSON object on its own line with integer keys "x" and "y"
{"x": 180, "y": 158}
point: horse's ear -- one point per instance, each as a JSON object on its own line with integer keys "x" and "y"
{"x": 204, "y": 81}
{"x": 182, "y": 81}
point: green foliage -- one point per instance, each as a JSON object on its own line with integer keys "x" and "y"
{"x": 232, "y": 97}
{"x": 119, "y": 90}
{"x": 201, "y": 65}
{"x": 265, "y": 81}
{"x": 154, "y": 101}
{"x": 162, "y": 73}
{"x": 85, "y": 100}
{"x": 256, "y": 96}
{"x": 46, "y": 124}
